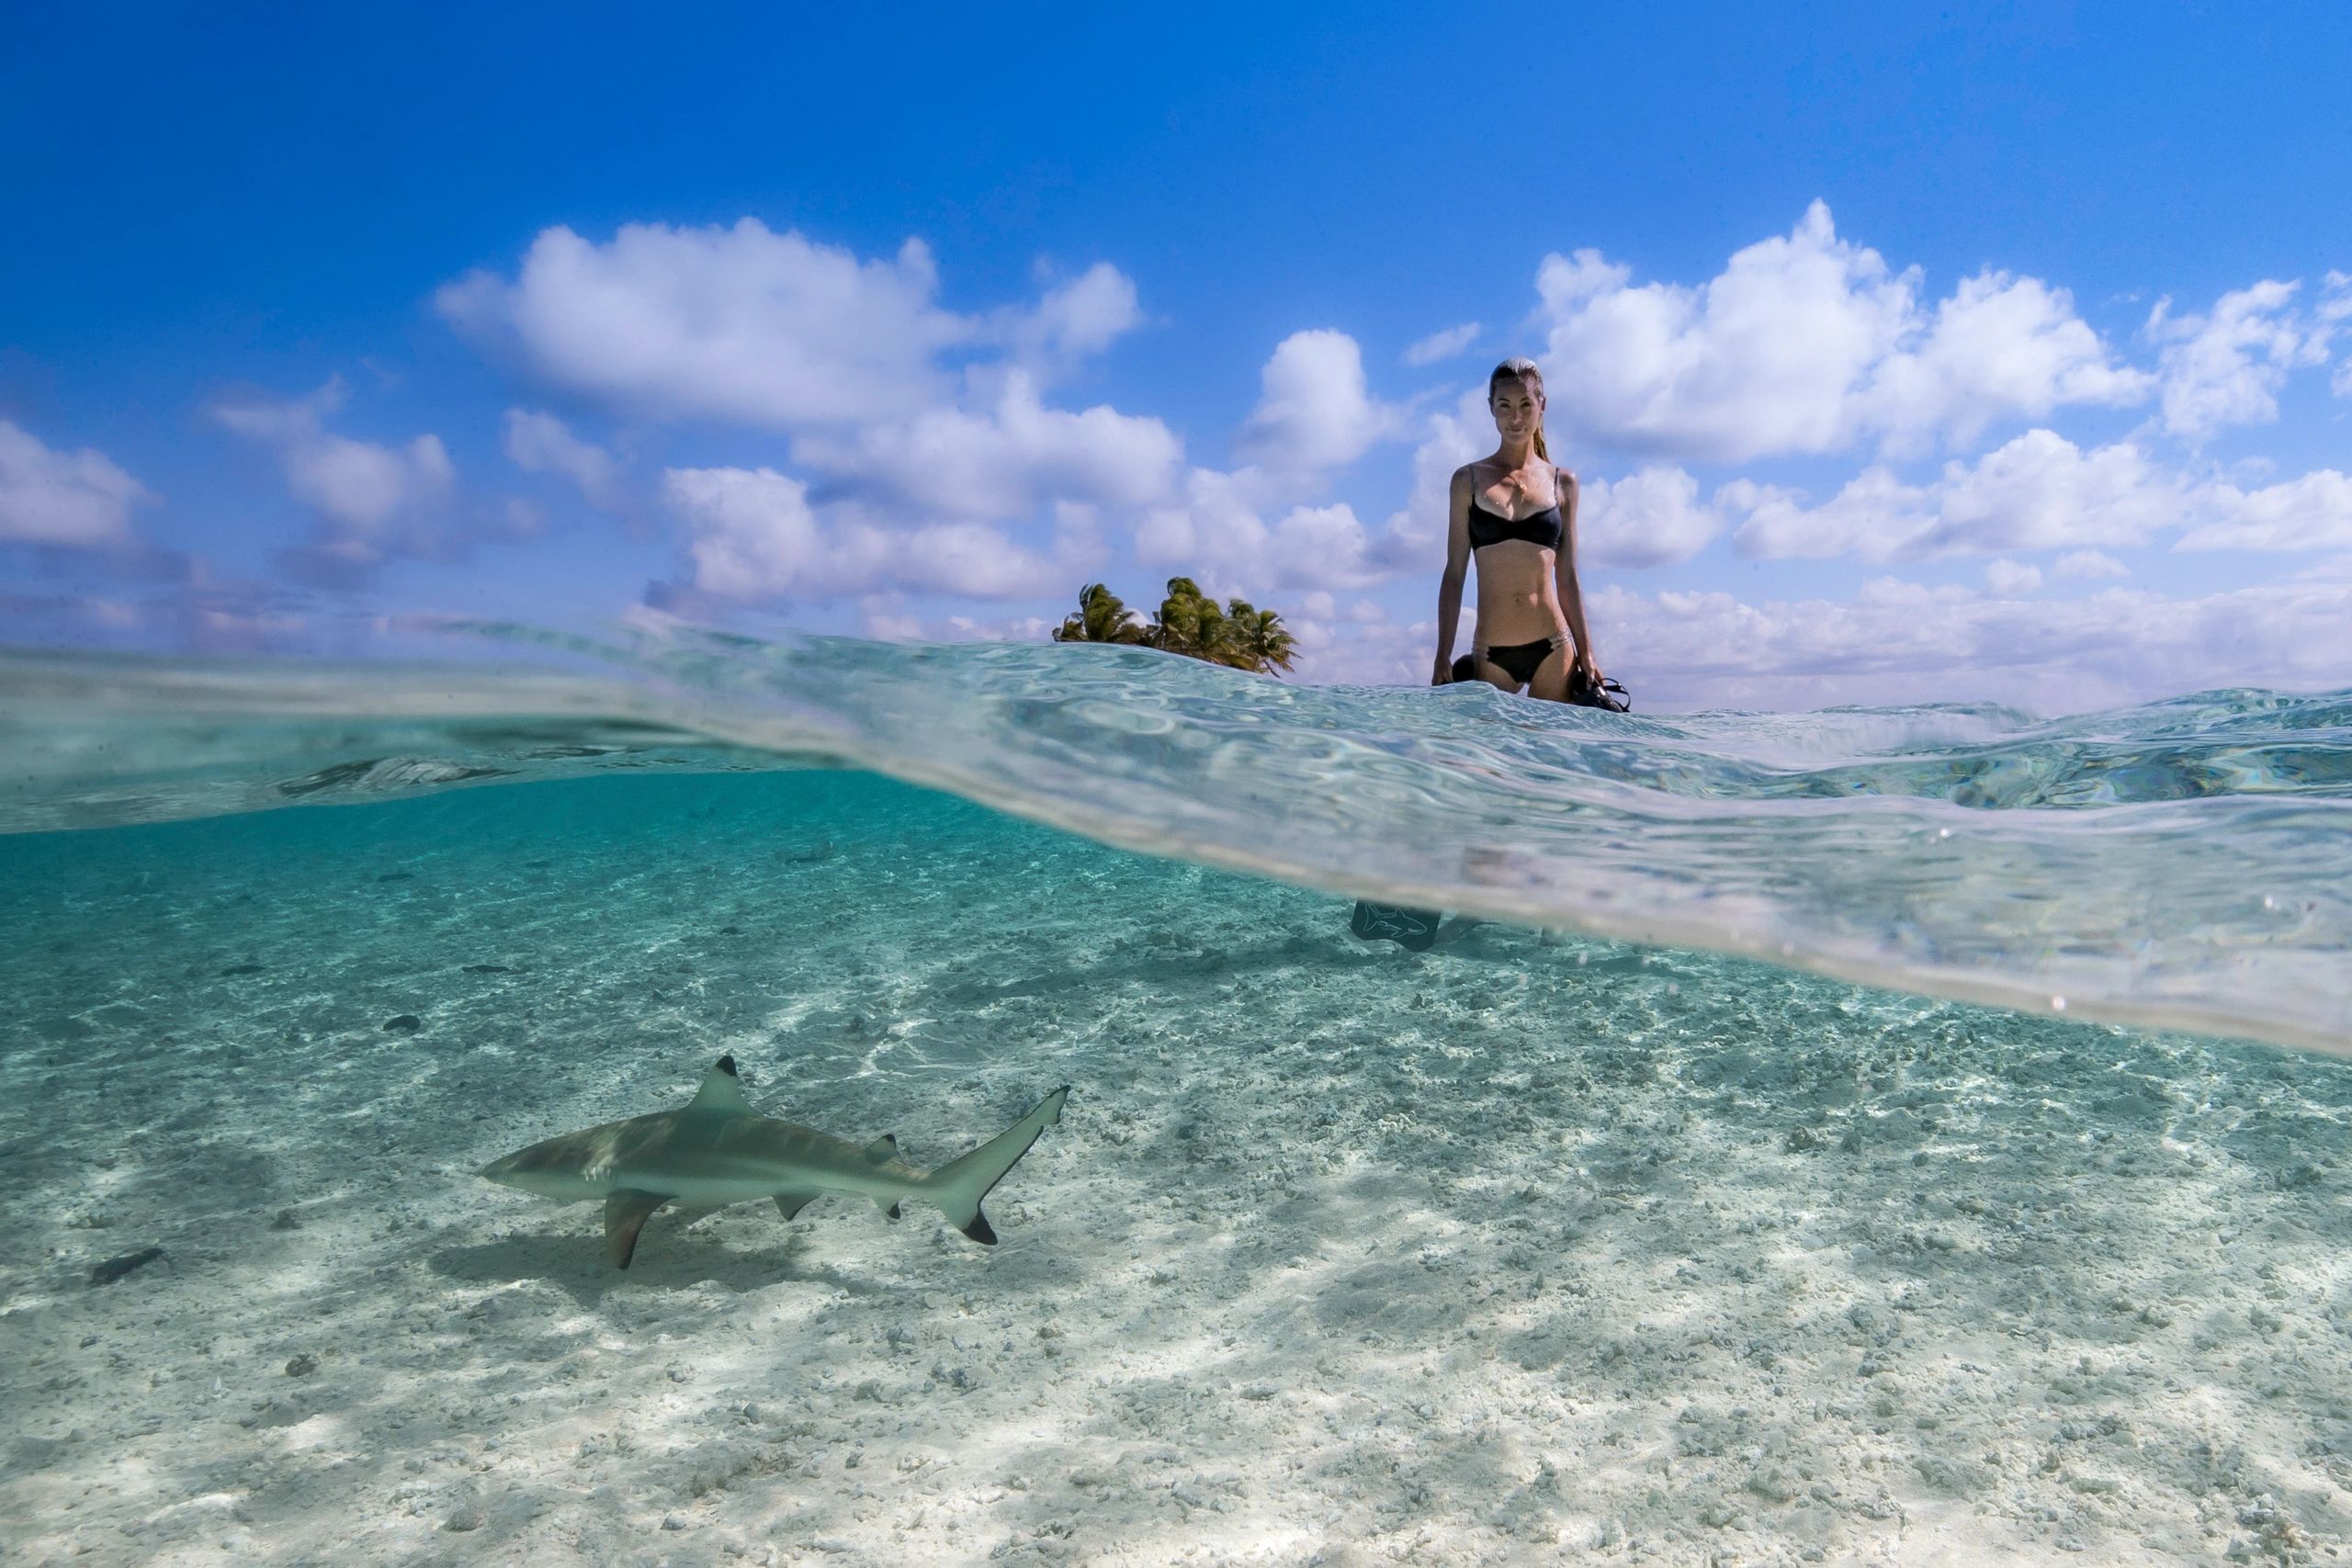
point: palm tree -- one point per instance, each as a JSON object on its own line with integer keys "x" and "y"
{"x": 1101, "y": 618}
{"x": 1261, "y": 638}
{"x": 1191, "y": 624}
{"x": 1238, "y": 633}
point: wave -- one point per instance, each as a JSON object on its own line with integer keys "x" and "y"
{"x": 2186, "y": 864}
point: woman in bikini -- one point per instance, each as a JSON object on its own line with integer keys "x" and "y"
{"x": 1516, "y": 516}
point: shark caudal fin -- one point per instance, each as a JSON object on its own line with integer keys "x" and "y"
{"x": 959, "y": 1186}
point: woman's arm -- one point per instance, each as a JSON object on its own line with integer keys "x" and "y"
{"x": 1457, "y": 568}
{"x": 1565, "y": 568}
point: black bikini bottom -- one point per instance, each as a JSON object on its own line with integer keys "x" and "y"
{"x": 1520, "y": 661}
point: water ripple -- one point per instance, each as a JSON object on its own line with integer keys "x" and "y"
{"x": 2180, "y": 864}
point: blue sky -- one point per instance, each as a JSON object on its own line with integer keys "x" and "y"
{"x": 1904, "y": 354}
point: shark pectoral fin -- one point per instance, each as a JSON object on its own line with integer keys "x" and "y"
{"x": 790, "y": 1203}
{"x": 720, "y": 1091}
{"x": 889, "y": 1210}
{"x": 625, "y": 1213}
{"x": 882, "y": 1149}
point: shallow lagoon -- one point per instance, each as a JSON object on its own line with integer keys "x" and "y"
{"x": 1341, "y": 1253}
{"x": 1541, "y": 1245}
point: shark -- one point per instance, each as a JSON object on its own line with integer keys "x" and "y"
{"x": 718, "y": 1150}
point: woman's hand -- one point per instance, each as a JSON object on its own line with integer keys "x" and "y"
{"x": 1584, "y": 672}
{"x": 1442, "y": 672}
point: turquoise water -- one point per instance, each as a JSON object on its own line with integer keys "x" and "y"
{"x": 1557, "y": 1242}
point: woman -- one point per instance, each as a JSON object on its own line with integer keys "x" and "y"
{"x": 1517, "y": 516}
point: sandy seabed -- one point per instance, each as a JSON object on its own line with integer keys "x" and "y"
{"x": 1524, "y": 1250}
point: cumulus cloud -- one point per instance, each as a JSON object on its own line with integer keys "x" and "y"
{"x": 1314, "y": 409}
{"x": 1081, "y": 317}
{"x": 2308, "y": 513}
{"x": 1443, "y": 344}
{"x": 2334, "y": 310}
{"x": 2225, "y": 367}
{"x": 739, "y": 324}
{"x": 373, "y": 501}
{"x": 197, "y": 609}
{"x": 1650, "y": 518}
{"x": 2000, "y": 347}
{"x": 542, "y": 443}
{"x": 1004, "y": 460}
{"x": 71, "y": 500}
{"x": 1414, "y": 538}
{"x": 2012, "y": 580}
{"x": 1903, "y": 643}
{"x": 753, "y": 536}
{"x": 903, "y": 412}
{"x": 1232, "y": 531}
{"x": 2089, "y": 563}
{"x": 752, "y": 327}
{"x": 2039, "y": 491}
{"x": 1807, "y": 344}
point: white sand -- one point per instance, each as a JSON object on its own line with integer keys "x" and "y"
{"x": 1509, "y": 1253}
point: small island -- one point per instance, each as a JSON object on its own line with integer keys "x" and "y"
{"x": 1237, "y": 634}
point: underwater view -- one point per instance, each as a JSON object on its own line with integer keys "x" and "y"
{"x": 1902, "y": 1135}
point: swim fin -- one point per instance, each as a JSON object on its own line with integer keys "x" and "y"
{"x": 1412, "y": 930}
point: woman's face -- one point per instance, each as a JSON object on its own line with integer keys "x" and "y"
{"x": 1518, "y": 409}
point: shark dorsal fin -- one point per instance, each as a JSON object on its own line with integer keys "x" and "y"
{"x": 882, "y": 1149}
{"x": 721, "y": 1090}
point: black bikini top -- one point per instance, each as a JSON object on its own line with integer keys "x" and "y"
{"x": 1489, "y": 527}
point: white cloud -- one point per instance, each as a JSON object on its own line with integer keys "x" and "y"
{"x": 854, "y": 359}
{"x": 2001, "y": 346}
{"x": 1009, "y": 629}
{"x": 1807, "y": 344}
{"x": 2039, "y": 491}
{"x": 736, "y": 324}
{"x": 542, "y": 443}
{"x": 2334, "y": 310}
{"x": 1915, "y": 644}
{"x": 752, "y": 327}
{"x": 2042, "y": 491}
{"x": 1083, "y": 316}
{"x": 1443, "y": 344}
{"x": 375, "y": 502}
{"x": 80, "y": 499}
{"x": 1005, "y": 460}
{"x": 2308, "y": 513}
{"x": 2227, "y": 368}
{"x": 2012, "y": 580}
{"x": 1218, "y": 531}
{"x": 2089, "y": 563}
{"x": 886, "y": 617}
{"x": 1875, "y": 516}
{"x": 1414, "y": 538}
{"x": 753, "y": 536}
{"x": 1650, "y": 518}
{"x": 1370, "y": 653}
{"x": 1315, "y": 410}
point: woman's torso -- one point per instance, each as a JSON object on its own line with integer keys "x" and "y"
{"x": 1517, "y": 528}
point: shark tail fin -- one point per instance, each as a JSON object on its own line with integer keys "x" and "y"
{"x": 959, "y": 1186}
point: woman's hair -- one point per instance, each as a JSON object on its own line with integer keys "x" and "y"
{"x": 1529, "y": 375}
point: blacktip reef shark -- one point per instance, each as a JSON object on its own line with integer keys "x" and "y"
{"x": 717, "y": 1151}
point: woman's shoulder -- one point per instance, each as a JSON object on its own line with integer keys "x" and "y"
{"x": 1564, "y": 477}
